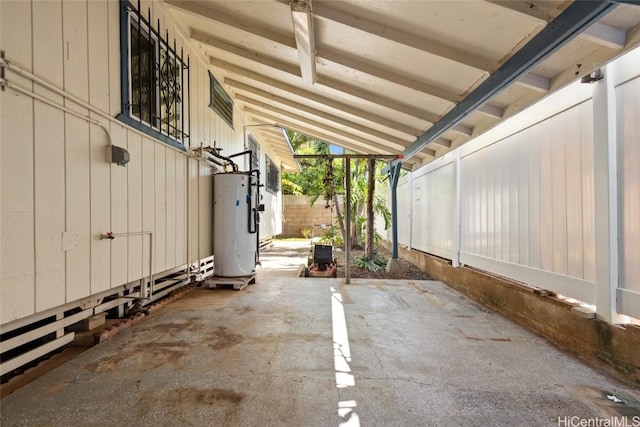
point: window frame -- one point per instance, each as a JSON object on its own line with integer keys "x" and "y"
{"x": 270, "y": 182}
{"x": 130, "y": 16}
{"x": 213, "y": 84}
{"x": 254, "y": 146}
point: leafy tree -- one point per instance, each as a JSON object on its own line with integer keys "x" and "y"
{"x": 297, "y": 139}
{"x": 371, "y": 187}
{"x": 359, "y": 190}
{"x": 319, "y": 177}
{"x": 324, "y": 178}
{"x": 311, "y": 179}
{"x": 290, "y": 187}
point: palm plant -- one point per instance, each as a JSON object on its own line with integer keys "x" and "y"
{"x": 324, "y": 178}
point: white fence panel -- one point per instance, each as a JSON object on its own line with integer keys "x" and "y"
{"x": 628, "y": 107}
{"x": 527, "y": 197}
{"x": 404, "y": 210}
{"x": 433, "y": 209}
{"x": 522, "y": 205}
{"x": 419, "y": 216}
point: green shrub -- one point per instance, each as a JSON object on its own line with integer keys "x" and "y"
{"x": 378, "y": 263}
{"x": 306, "y": 232}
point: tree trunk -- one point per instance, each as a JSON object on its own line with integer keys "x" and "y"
{"x": 371, "y": 187}
{"x": 356, "y": 231}
{"x": 336, "y": 203}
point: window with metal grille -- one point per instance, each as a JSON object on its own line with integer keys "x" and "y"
{"x": 273, "y": 176}
{"x": 153, "y": 75}
{"x": 255, "y": 152}
{"x": 220, "y": 101}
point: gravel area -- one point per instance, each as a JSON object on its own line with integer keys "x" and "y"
{"x": 407, "y": 271}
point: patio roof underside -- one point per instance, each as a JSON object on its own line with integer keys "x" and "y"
{"x": 372, "y": 76}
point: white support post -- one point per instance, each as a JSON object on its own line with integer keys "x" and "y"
{"x": 606, "y": 200}
{"x": 60, "y": 332}
{"x": 121, "y": 306}
{"x": 455, "y": 256}
{"x": 410, "y": 183}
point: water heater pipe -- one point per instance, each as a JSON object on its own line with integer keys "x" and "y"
{"x": 216, "y": 153}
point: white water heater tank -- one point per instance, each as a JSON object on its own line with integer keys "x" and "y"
{"x": 234, "y": 230}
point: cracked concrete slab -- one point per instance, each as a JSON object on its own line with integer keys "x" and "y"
{"x": 420, "y": 354}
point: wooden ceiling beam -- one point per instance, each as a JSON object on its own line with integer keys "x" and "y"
{"x": 324, "y": 127}
{"x": 344, "y": 139}
{"x": 314, "y": 112}
{"x": 318, "y": 99}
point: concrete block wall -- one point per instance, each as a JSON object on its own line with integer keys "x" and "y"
{"x": 299, "y": 214}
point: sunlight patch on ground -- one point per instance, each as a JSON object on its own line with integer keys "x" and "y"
{"x": 341, "y": 359}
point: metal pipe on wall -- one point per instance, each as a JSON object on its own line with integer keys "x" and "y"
{"x": 5, "y": 63}
{"x": 42, "y": 99}
{"x": 146, "y": 293}
{"x": 11, "y": 65}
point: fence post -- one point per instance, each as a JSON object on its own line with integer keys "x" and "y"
{"x": 410, "y": 184}
{"x": 455, "y": 256}
{"x": 606, "y": 200}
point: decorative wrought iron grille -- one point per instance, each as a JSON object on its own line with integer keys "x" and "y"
{"x": 153, "y": 79}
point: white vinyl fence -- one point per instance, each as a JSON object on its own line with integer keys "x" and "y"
{"x": 521, "y": 201}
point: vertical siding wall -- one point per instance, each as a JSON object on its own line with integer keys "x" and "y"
{"x": 527, "y": 195}
{"x": 59, "y": 193}
{"x": 272, "y": 217}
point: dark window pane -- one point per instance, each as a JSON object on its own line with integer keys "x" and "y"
{"x": 155, "y": 75}
{"x": 273, "y": 175}
{"x": 143, "y": 96}
{"x": 170, "y": 93}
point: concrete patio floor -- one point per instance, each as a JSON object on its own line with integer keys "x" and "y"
{"x": 290, "y": 351}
